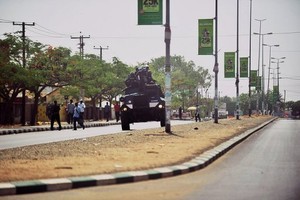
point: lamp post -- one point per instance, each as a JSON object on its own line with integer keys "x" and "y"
{"x": 250, "y": 44}
{"x": 278, "y": 61}
{"x": 261, "y": 35}
{"x": 258, "y": 65}
{"x": 269, "y": 68}
{"x": 237, "y": 68}
{"x": 168, "y": 94}
{"x": 216, "y": 66}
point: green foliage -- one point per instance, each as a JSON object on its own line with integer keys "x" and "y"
{"x": 296, "y": 108}
{"x": 186, "y": 79}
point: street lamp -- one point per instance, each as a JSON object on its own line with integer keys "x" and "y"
{"x": 257, "y": 91}
{"x": 263, "y": 70}
{"x": 269, "y": 68}
{"x": 278, "y": 60}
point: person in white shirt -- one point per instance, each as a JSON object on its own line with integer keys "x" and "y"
{"x": 81, "y": 106}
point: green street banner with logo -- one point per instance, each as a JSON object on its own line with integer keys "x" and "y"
{"x": 150, "y": 12}
{"x": 229, "y": 64}
{"x": 258, "y": 86}
{"x": 205, "y": 36}
{"x": 244, "y": 67}
{"x": 253, "y": 80}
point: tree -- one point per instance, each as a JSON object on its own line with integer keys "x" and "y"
{"x": 186, "y": 79}
{"x": 244, "y": 103}
{"x": 116, "y": 76}
{"x": 14, "y": 77}
{"x": 47, "y": 68}
{"x": 296, "y": 109}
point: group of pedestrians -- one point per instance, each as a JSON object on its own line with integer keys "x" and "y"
{"x": 75, "y": 113}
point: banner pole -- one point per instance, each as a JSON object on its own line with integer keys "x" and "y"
{"x": 216, "y": 67}
{"x": 168, "y": 94}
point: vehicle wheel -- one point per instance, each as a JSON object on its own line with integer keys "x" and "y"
{"x": 125, "y": 122}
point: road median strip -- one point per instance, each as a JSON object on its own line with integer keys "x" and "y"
{"x": 206, "y": 158}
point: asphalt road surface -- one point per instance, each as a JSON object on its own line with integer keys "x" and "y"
{"x": 266, "y": 166}
{"x": 31, "y": 138}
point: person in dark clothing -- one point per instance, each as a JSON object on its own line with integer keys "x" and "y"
{"x": 180, "y": 112}
{"x": 55, "y": 115}
{"x": 107, "y": 111}
{"x": 117, "y": 111}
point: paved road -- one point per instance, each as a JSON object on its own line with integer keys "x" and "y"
{"x": 31, "y": 138}
{"x": 265, "y": 166}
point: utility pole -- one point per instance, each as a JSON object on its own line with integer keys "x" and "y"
{"x": 237, "y": 67}
{"x": 23, "y": 24}
{"x": 216, "y": 67}
{"x": 250, "y": 46}
{"x": 81, "y": 43}
{"x": 168, "y": 94}
{"x": 101, "y": 48}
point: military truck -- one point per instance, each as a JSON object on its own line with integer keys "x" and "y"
{"x": 143, "y": 99}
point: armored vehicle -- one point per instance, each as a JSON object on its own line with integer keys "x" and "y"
{"x": 143, "y": 99}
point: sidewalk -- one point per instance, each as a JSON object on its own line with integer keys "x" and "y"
{"x": 46, "y": 127}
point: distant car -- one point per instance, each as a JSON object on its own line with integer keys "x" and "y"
{"x": 296, "y": 110}
{"x": 296, "y": 115}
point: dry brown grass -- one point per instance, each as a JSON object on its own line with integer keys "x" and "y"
{"x": 136, "y": 150}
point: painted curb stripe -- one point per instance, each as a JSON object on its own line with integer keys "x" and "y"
{"x": 104, "y": 179}
{"x": 152, "y": 174}
{"x": 7, "y": 189}
{"x": 57, "y": 184}
{"x": 78, "y": 182}
{"x": 26, "y": 187}
{"x": 123, "y": 178}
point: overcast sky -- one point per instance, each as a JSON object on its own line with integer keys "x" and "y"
{"x": 113, "y": 23}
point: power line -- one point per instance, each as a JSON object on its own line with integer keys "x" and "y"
{"x": 51, "y": 31}
{"x": 42, "y": 34}
{"x": 81, "y": 43}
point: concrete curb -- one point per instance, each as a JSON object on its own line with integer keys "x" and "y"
{"x": 203, "y": 160}
{"x": 44, "y": 128}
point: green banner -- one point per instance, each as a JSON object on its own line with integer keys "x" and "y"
{"x": 150, "y": 12}
{"x": 205, "y": 36}
{"x": 253, "y": 80}
{"x": 229, "y": 64}
{"x": 258, "y": 85}
{"x": 244, "y": 67}
{"x": 275, "y": 93}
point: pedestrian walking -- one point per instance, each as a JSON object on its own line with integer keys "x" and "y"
{"x": 107, "y": 111}
{"x": 180, "y": 112}
{"x": 197, "y": 114}
{"x": 77, "y": 118}
{"x": 70, "y": 111}
{"x": 117, "y": 111}
{"x": 81, "y": 107}
{"x": 55, "y": 115}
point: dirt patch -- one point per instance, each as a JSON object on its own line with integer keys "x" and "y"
{"x": 135, "y": 150}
